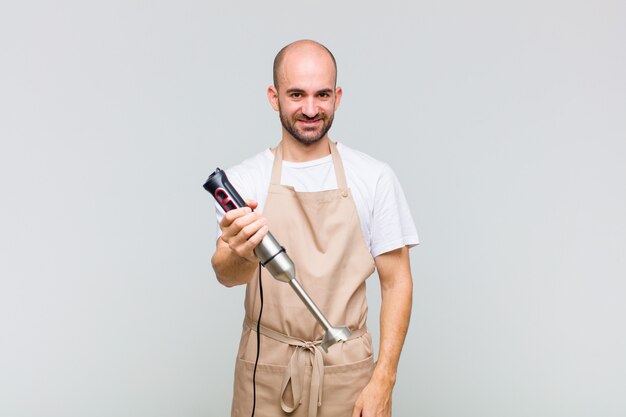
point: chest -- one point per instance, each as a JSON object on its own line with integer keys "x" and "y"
{"x": 319, "y": 178}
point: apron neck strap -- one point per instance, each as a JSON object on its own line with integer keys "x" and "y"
{"x": 337, "y": 164}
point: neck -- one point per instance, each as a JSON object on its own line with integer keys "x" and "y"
{"x": 295, "y": 151}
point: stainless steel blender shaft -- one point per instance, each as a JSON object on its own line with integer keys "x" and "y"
{"x": 274, "y": 258}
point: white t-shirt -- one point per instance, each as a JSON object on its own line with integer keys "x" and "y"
{"x": 385, "y": 217}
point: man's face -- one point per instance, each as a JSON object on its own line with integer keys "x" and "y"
{"x": 306, "y": 96}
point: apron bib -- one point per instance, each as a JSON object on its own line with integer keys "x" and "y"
{"x": 322, "y": 234}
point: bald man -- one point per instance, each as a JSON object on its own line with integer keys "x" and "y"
{"x": 341, "y": 215}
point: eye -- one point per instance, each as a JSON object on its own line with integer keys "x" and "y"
{"x": 295, "y": 95}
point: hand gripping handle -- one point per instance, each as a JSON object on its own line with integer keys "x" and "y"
{"x": 269, "y": 249}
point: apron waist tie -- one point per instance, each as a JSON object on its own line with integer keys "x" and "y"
{"x": 297, "y": 363}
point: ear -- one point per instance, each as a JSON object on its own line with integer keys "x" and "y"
{"x": 272, "y": 96}
{"x": 338, "y": 94}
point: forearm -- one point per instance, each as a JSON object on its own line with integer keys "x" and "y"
{"x": 231, "y": 269}
{"x": 395, "y": 312}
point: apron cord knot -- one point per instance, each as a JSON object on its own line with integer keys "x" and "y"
{"x": 305, "y": 354}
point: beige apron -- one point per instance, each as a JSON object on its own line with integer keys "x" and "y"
{"x": 322, "y": 234}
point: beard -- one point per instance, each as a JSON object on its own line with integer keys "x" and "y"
{"x": 306, "y": 136}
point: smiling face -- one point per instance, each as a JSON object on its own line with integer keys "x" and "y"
{"x": 305, "y": 97}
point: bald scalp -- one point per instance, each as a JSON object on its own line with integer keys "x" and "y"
{"x": 278, "y": 60}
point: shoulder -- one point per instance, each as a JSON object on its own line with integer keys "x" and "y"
{"x": 254, "y": 164}
{"x": 363, "y": 167}
{"x": 254, "y": 167}
{"x": 251, "y": 175}
{"x": 357, "y": 157}
{"x": 368, "y": 178}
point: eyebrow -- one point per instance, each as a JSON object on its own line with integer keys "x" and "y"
{"x": 299, "y": 90}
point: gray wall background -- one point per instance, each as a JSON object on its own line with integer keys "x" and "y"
{"x": 505, "y": 122}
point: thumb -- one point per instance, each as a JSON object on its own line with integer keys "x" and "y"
{"x": 252, "y": 204}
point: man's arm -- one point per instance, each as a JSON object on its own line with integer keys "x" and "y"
{"x": 234, "y": 261}
{"x": 396, "y": 285}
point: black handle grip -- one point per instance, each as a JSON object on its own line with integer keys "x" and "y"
{"x": 223, "y": 191}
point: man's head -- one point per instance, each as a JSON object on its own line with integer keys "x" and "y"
{"x": 278, "y": 60}
{"x": 304, "y": 90}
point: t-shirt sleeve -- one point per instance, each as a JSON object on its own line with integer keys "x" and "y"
{"x": 392, "y": 223}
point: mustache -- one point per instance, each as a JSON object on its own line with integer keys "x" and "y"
{"x": 303, "y": 117}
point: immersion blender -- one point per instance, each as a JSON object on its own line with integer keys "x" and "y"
{"x": 273, "y": 257}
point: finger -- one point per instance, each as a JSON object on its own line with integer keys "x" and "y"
{"x": 244, "y": 221}
{"x": 246, "y": 249}
{"x": 242, "y": 228}
{"x": 231, "y": 227}
{"x": 252, "y": 204}
{"x": 357, "y": 410}
{"x": 248, "y": 231}
{"x": 232, "y": 215}
{"x": 256, "y": 238}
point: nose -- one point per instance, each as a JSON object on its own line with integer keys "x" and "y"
{"x": 309, "y": 107}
